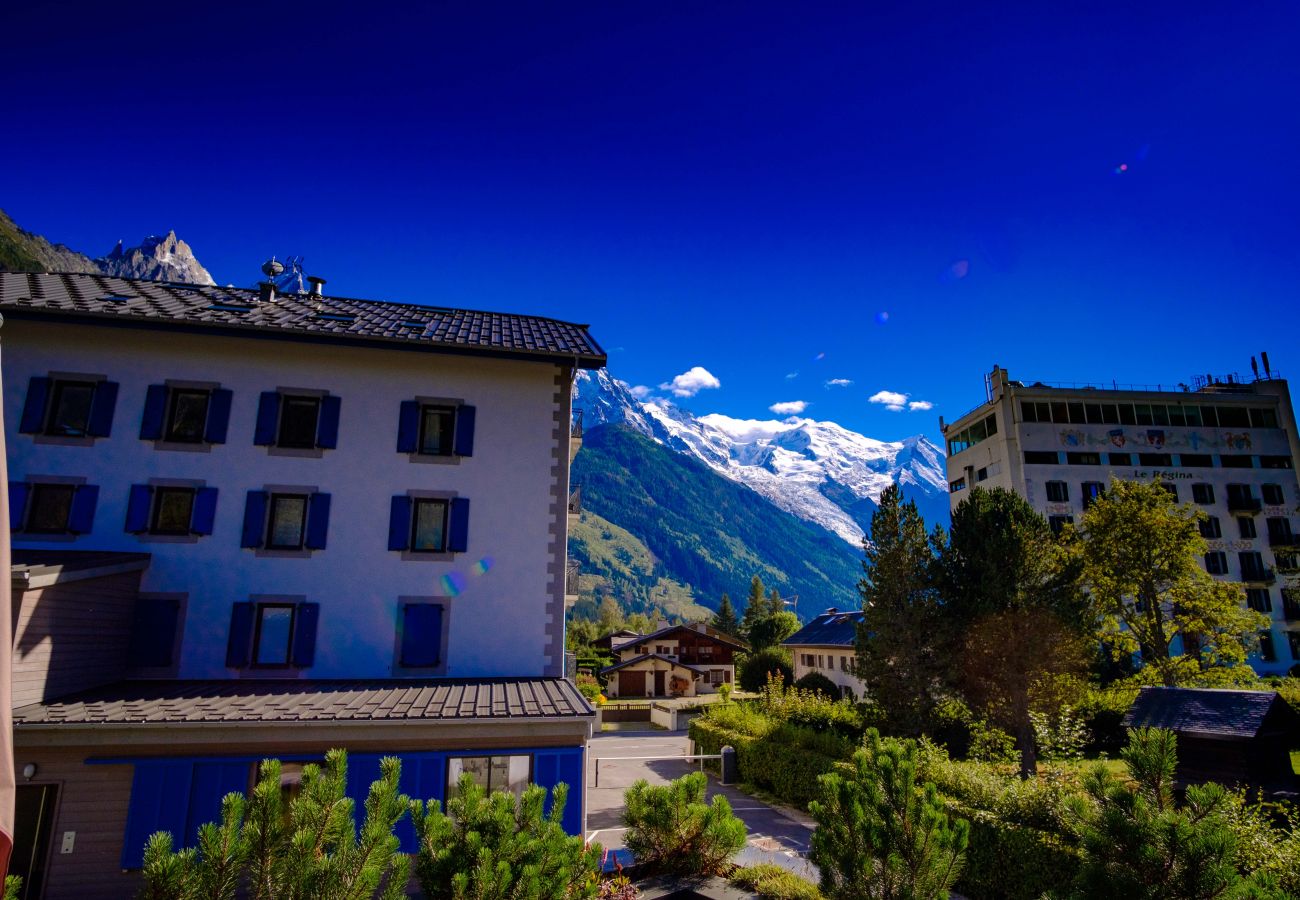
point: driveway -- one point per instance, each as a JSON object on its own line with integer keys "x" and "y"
{"x": 775, "y": 835}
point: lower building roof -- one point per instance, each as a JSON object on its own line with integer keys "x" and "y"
{"x": 643, "y": 657}
{"x": 267, "y": 700}
{"x": 1213, "y": 712}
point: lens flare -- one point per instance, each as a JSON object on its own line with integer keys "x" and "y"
{"x": 453, "y": 583}
{"x": 483, "y": 565}
{"x": 882, "y": 317}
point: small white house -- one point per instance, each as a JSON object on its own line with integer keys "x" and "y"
{"x": 825, "y": 646}
{"x": 673, "y": 661}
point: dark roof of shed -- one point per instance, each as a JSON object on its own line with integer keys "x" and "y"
{"x": 830, "y": 629}
{"x": 232, "y": 701}
{"x": 237, "y": 311}
{"x": 644, "y": 656}
{"x": 1205, "y": 711}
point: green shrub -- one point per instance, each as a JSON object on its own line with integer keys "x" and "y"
{"x": 589, "y": 687}
{"x": 1060, "y": 735}
{"x": 812, "y": 709}
{"x": 787, "y": 770}
{"x": 13, "y": 887}
{"x": 501, "y": 846}
{"x": 1010, "y": 861}
{"x": 991, "y": 744}
{"x": 818, "y": 683}
{"x": 771, "y": 882}
{"x": 1102, "y": 710}
{"x": 671, "y": 829}
{"x": 744, "y": 718}
{"x": 755, "y": 668}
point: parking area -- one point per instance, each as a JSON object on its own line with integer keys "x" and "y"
{"x": 775, "y": 835}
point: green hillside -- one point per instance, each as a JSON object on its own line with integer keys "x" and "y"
{"x": 614, "y": 563}
{"x": 703, "y": 530}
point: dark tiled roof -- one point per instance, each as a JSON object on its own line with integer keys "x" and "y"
{"x": 442, "y": 699}
{"x": 837, "y": 629}
{"x": 1222, "y": 713}
{"x": 713, "y": 634}
{"x": 636, "y": 659}
{"x": 233, "y": 310}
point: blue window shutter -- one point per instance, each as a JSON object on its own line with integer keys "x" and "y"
{"x": 205, "y": 510}
{"x": 399, "y": 523}
{"x": 153, "y": 632}
{"x": 137, "y": 508}
{"x": 81, "y": 520}
{"x": 458, "y": 530}
{"x": 38, "y": 398}
{"x": 101, "y": 409}
{"x": 255, "y": 518}
{"x": 327, "y": 423}
{"x": 17, "y": 504}
{"x": 160, "y": 794}
{"x": 218, "y": 416}
{"x": 571, "y": 772}
{"x": 363, "y": 771}
{"x": 268, "y": 418}
{"x": 155, "y": 409}
{"x": 209, "y": 784}
{"x": 304, "y": 634}
{"x": 423, "y": 777}
{"x": 318, "y": 521}
{"x": 408, "y": 427}
{"x": 421, "y": 634}
{"x": 464, "y": 431}
{"x": 241, "y": 635}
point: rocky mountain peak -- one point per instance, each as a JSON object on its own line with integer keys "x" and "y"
{"x": 158, "y": 258}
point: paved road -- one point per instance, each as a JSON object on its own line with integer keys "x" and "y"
{"x": 775, "y": 835}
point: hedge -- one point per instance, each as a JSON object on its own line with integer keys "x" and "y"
{"x": 1010, "y": 861}
{"x": 789, "y": 772}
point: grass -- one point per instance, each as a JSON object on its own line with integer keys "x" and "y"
{"x": 771, "y": 882}
{"x": 1295, "y": 761}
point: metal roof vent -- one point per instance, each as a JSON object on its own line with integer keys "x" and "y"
{"x": 316, "y": 282}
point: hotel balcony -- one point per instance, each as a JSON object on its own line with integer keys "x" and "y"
{"x": 1244, "y": 504}
{"x": 1279, "y": 538}
{"x": 571, "y": 571}
{"x": 575, "y": 434}
{"x": 575, "y": 502}
{"x": 1290, "y": 605}
{"x": 1260, "y": 575}
{"x": 1287, "y": 562}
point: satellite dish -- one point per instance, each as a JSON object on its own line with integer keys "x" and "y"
{"x": 272, "y": 268}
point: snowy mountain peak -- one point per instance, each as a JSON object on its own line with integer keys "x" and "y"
{"x": 159, "y": 258}
{"x": 819, "y": 471}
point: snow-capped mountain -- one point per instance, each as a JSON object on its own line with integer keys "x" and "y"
{"x": 818, "y": 471}
{"x": 159, "y": 258}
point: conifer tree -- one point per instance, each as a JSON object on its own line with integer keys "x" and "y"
{"x": 1140, "y": 554}
{"x": 671, "y": 829}
{"x": 774, "y": 602}
{"x": 879, "y": 835}
{"x": 755, "y": 605}
{"x": 725, "y": 618}
{"x": 896, "y": 644}
{"x": 1012, "y": 611}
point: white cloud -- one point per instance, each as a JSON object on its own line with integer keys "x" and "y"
{"x": 691, "y": 382}
{"x": 791, "y": 374}
{"x": 789, "y": 408}
{"x": 920, "y": 405}
{"x": 640, "y": 391}
{"x": 839, "y": 382}
{"x": 892, "y": 400}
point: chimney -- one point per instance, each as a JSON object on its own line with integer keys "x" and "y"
{"x": 315, "y": 281}
{"x": 266, "y": 291}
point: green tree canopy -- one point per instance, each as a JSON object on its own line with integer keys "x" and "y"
{"x": 772, "y": 629}
{"x": 725, "y": 618}
{"x": 1140, "y": 554}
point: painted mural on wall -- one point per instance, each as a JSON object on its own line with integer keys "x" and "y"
{"x": 1157, "y": 439}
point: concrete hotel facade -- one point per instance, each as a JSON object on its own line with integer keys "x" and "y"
{"x": 1227, "y": 444}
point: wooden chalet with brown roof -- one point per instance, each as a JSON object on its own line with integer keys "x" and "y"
{"x": 673, "y": 661}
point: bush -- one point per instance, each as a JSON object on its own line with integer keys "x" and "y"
{"x": 500, "y": 845}
{"x": 813, "y": 710}
{"x": 671, "y": 829}
{"x": 1011, "y": 862}
{"x": 771, "y": 882}
{"x": 991, "y": 744}
{"x": 757, "y": 666}
{"x": 1102, "y": 710}
{"x": 879, "y": 834}
{"x": 788, "y": 770}
{"x": 589, "y": 687}
{"x": 816, "y": 682}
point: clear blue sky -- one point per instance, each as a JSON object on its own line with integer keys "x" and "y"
{"x": 742, "y": 187}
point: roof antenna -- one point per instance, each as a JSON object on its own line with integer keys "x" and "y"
{"x": 1268, "y": 373}
{"x": 266, "y": 289}
{"x": 1254, "y": 367}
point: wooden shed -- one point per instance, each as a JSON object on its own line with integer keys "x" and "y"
{"x": 1233, "y": 737}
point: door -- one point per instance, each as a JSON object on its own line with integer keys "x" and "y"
{"x": 34, "y": 806}
{"x": 659, "y": 684}
{"x": 631, "y": 684}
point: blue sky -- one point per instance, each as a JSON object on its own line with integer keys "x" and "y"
{"x": 740, "y": 187}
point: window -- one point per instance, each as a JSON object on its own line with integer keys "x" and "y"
{"x": 1083, "y": 459}
{"x": 185, "y": 414}
{"x": 982, "y": 475}
{"x": 1126, "y": 416}
{"x": 1042, "y": 457}
{"x": 1120, "y": 459}
{"x": 1233, "y": 417}
{"x": 1246, "y": 527}
{"x": 286, "y": 521}
{"x": 508, "y": 774}
{"x": 1279, "y": 531}
{"x": 1155, "y": 459}
{"x": 1240, "y": 498}
{"x": 1259, "y": 600}
{"x": 1196, "y": 460}
{"x": 1272, "y": 494}
{"x": 1252, "y": 567}
{"x": 170, "y": 510}
{"x": 429, "y": 524}
{"x": 1058, "y": 523}
{"x": 1237, "y": 461}
{"x": 957, "y": 486}
{"x": 153, "y": 632}
{"x": 274, "y": 634}
{"x": 1058, "y": 492}
{"x": 69, "y": 407}
{"x": 1216, "y": 562}
{"x": 428, "y": 428}
{"x": 1203, "y": 494}
{"x": 1275, "y": 462}
{"x": 1091, "y": 491}
{"x": 1293, "y": 639}
{"x": 717, "y": 676}
{"x": 421, "y": 635}
{"x": 1170, "y": 489}
{"x": 972, "y": 435}
{"x": 47, "y": 508}
{"x": 1263, "y": 418}
{"x": 1210, "y": 528}
{"x": 1266, "y": 651}
{"x": 297, "y": 421}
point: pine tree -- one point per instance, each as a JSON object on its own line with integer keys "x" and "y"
{"x": 879, "y": 835}
{"x": 1140, "y": 554}
{"x": 774, "y": 602}
{"x": 896, "y": 645}
{"x": 725, "y": 618}
{"x": 755, "y": 606}
{"x": 671, "y": 829}
{"x": 1011, "y": 609}
{"x": 499, "y": 846}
